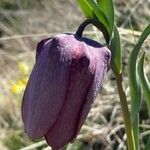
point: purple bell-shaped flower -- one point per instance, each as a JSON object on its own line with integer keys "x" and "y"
{"x": 63, "y": 84}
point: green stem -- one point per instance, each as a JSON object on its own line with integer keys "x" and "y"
{"x": 135, "y": 126}
{"x": 97, "y": 24}
{"x": 126, "y": 114}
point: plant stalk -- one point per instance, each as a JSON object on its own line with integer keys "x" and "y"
{"x": 126, "y": 114}
{"x": 95, "y": 23}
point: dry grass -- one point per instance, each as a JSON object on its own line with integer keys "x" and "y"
{"x": 22, "y": 28}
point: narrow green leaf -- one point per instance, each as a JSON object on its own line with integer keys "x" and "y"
{"x": 107, "y": 7}
{"x": 100, "y": 15}
{"x": 86, "y": 9}
{"x": 115, "y": 47}
{"x": 145, "y": 84}
{"x": 135, "y": 127}
{"x": 135, "y": 90}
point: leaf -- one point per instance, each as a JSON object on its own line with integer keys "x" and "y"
{"x": 115, "y": 47}
{"x": 86, "y": 9}
{"x": 135, "y": 90}
{"x": 135, "y": 127}
{"x": 100, "y": 15}
{"x": 98, "y": 18}
{"x": 145, "y": 84}
{"x": 107, "y": 7}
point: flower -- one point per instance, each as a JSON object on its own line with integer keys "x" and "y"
{"x": 18, "y": 87}
{"x": 64, "y": 82}
{"x": 23, "y": 68}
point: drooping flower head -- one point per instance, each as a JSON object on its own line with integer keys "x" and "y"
{"x": 63, "y": 84}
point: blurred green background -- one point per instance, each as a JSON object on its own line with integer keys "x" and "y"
{"x": 25, "y": 22}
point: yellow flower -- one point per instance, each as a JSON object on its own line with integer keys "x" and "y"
{"x": 18, "y": 87}
{"x": 23, "y": 68}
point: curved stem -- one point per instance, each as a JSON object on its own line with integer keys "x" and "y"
{"x": 97, "y": 24}
{"x": 126, "y": 114}
{"x": 82, "y": 26}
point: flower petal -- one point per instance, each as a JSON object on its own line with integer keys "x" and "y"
{"x": 40, "y": 46}
{"x": 82, "y": 90}
{"x": 46, "y": 90}
{"x": 79, "y": 83}
{"x": 102, "y": 63}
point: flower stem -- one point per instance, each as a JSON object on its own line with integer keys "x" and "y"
{"x": 97, "y": 24}
{"x": 126, "y": 114}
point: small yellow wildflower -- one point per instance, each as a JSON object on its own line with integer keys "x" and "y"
{"x": 18, "y": 87}
{"x": 23, "y": 68}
